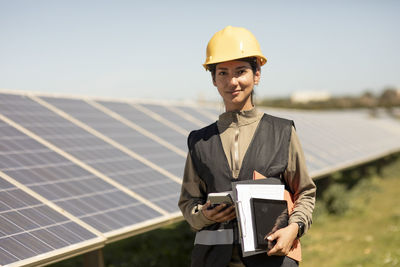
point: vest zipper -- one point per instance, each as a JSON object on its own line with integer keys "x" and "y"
{"x": 236, "y": 146}
{"x": 236, "y": 154}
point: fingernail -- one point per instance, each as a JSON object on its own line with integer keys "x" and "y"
{"x": 269, "y": 238}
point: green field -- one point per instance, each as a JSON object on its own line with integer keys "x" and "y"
{"x": 368, "y": 234}
{"x": 365, "y": 231}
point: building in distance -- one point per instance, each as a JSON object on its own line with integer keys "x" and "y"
{"x": 309, "y": 96}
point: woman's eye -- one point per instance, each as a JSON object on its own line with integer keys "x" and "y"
{"x": 221, "y": 73}
{"x": 241, "y": 71}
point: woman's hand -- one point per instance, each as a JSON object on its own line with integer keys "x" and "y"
{"x": 219, "y": 214}
{"x": 284, "y": 240}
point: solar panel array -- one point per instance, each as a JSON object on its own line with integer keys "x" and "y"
{"x": 333, "y": 140}
{"x": 78, "y": 173}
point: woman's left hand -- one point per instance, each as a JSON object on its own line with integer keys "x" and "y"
{"x": 284, "y": 240}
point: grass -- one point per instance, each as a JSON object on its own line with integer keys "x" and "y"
{"x": 169, "y": 246}
{"x": 366, "y": 234}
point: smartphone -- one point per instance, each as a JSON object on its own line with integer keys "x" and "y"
{"x": 220, "y": 198}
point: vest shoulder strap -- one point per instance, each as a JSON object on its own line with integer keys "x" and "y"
{"x": 277, "y": 120}
{"x": 203, "y": 133}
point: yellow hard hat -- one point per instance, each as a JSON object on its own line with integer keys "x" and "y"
{"x": 233, "y": 43}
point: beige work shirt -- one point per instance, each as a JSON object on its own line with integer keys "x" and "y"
{"x": 236, "y": 130}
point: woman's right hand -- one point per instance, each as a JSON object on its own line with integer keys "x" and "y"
{"x": 220, "y": 213}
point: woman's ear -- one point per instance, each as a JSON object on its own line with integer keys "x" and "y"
{"x": 257, "y": 76}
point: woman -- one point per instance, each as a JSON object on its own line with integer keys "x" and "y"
{"x": 241, "y": 141}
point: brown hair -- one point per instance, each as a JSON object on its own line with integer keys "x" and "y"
{"x": 251, "y": 60}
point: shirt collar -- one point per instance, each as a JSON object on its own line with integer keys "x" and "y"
{"x": 238, "y": 118}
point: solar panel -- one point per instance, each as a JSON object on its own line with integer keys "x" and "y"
{"x": 177, "y": 137}
{"x": 31, "y": 231}
{"x": 214, "y": 110}
{"x": 71, "y": 187}
{"x": 166, "y": 113}
{"x": 336, "y": 139}
{"x": 118, "y": 131}
{"x": 116, "y": 166}
{"x": 112, "y": 162}
{"x": 201, "y": 115}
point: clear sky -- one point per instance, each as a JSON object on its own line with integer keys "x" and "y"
{"x": 154, "y": 49}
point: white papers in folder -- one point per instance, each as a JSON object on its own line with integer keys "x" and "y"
{"x": 244, "y": 193}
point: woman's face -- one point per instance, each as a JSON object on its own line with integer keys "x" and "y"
{"x": 235, "y": 81}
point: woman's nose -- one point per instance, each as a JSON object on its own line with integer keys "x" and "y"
{"x": 234, "y": 80}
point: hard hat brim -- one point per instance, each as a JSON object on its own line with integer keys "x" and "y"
{"x": 260, "y": 59}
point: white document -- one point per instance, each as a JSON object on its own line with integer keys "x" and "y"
{"x": 244, "y": 193}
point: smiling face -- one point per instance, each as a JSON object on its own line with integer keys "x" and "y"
{"x": 235, "y": 81}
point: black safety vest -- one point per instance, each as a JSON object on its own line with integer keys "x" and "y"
{"x": 267, "y": 154}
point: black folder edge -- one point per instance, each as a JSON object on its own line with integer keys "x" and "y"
{"x": 270, "y": 180}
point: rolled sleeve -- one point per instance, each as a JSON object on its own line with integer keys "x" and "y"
{"x": 193, "y": 197}
{"x": 300, "y": 183}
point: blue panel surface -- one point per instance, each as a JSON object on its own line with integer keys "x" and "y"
{"x": 173, "y": 117}
{"x": 30, "y": 228}
{"x": 94, "y": 152}
{"x": 145, "y": 121}
{"x": 334, "y": 139}
{"x": 195, "y": 112}
{"x": 124, "y": 135}
{"x": 66, "y": 184}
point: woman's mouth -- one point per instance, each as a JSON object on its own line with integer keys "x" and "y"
{"x": 235, "y": 93}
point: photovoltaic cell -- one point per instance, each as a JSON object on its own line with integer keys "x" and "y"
{"x": 145, "y": 121}
{"x": 96, "y": 153}
{"x": 116, "y": 130}
{"x": 30, "y": 228}
{"x": 69, "y": 186}
{"x": 173, "y": 117}
{"x": 194, "y": 112}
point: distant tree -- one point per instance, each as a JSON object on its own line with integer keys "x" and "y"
{"x": 367, "y": 99}
{"x": 367, "y": 94}
{"x": 389, "y": 97}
